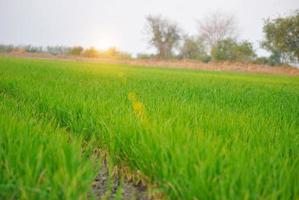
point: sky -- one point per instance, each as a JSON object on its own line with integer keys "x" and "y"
{"x": 120, "y": 23}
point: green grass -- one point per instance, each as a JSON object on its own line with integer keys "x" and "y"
{"x": 196, "y": 134}
{"x": 37, "y": 159}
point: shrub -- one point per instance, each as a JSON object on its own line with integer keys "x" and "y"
{"x": 145, "y": 56}
{"x": 58, "y": 50}
{"x": 261, "y": 60}
{"x": 115, "y": 53}
{"x": 231, "y": 50}
{"x": 6, "y": 48}
{"x": 91, "y": 52}
{"x": 206, "y": 58}
{"x": 76, "y": 51}
{"x": 194, "y": 49}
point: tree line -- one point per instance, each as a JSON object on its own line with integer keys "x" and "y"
{"x": 216, "y": 40}
{"x": 67, "y": 51}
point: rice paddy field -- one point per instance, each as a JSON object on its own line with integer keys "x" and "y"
{"x": 191, "y": 134}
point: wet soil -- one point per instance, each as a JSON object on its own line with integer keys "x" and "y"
{"x": 108, "y": 186}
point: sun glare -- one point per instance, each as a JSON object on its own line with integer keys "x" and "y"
{"x": 104, "y": 42}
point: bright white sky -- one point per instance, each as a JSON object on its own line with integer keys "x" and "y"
{"x": 106, "y": 23}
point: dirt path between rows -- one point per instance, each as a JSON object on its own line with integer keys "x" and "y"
{"x": 108, "y": 186}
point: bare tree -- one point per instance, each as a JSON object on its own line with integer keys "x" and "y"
{"x": 216, "y": 27}
{"x": 163, "y": 34}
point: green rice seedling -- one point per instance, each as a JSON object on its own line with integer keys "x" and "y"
{"x": 39, "y": 160}
{"x": 195, "y": 134}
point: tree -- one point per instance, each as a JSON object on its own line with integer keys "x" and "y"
{"x": 193, "y": 48}
{"x": 30, "y": 48}
{"x": 90, "y": 52}
{"x": 144, "y": 56}
{"x": 163, "y": 34}
{"x": 113, "y": 52}
{"x": 58, "y": 50}
{"x": 245, "y": 52}
{"x": 282, "y": 38}
{"x": 274, "y": 59}
{"x": 231, "y": 50}
{"x": 216, "y": 27}
{"x": 76, "y": 51}
{"x": 6, "y": 48}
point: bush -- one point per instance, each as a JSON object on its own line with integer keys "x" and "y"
{"x": 76, "y": 51}
{"x": 193, "y": 49}
{"x": 261, "y": 61}
{"x": 145, "y": 56}
{"x": 274, "y": 60}
{"x": 206, "y": 58}
{"x": 58, "y": 50}
{"x": 91, "y": 53}
{"x": 115, "y": 53}
{"x": 224, "y": 50}
{"x": 6, "y": 48}
{"x": 231, "y": 50}
{"x": 31, "y": 49}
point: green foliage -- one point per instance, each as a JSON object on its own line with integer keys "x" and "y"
{"x": 261, "y": 60}
{"x": 58, "y": 50}
{"x": 193, "y": 49}
{"x": 37, "y": 159}
{"x": 145, "y": 56}
{"x": 24, "y": 48}
{"x": 114, "y": 53}
{"x": 6, "y": 48}
{"x": 273, "y": 60}
{"x": 76, "y": 51}
{"x": 230, "y": 50}
{"x": 206, "y": 58}
{"x": 282, "y": 37}
{"x": 224, "y": 50}
{"x": 245, "y": 52}
{"x": 90, "y": 52}
{"x": 31, "y": 49}
{"x": 164, "y": 35}
{"x": 197, "y": 135}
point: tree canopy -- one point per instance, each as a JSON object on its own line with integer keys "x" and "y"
{"x": 163, "y": 34}
{"x": 282, "y": 37}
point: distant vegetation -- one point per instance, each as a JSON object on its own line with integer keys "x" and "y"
{"x": 231, "y": 50}
{"x": 216, "y": 41}
{"x": 67, "y": 51}
{"x": 282, "y": 38}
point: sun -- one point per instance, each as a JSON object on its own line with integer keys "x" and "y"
{"x": 104, "y": 40}
{"x": 104, "y": 43}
